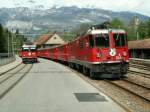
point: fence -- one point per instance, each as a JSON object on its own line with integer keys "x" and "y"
{"x": 6, "y": 58}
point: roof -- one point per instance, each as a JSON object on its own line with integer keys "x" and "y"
{"x": 139, "y": 44}
{"x": 44, "y": 38}
{"x": 25, "y": 45}
{"x": 98, "y": 31}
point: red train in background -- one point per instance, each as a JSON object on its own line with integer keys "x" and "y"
{"x": 28, "y": 53}
{"x": 99, "y": 53}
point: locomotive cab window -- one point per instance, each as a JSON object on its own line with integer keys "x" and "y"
{"x": 25, "y": 49}
{"x": 32, "y": 49}
{"x": 91, "y": 41}
{"x": 102, "y": 40}
{"x": 119, "y": 40}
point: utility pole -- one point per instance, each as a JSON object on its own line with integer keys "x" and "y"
{"x": 8, "y": 43}
{"x": 137, "y": 21}
{"x": 12, "y": 42}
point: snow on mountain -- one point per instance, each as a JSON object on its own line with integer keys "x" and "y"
{"x": 19, "y": 24}
{"x": 58, "y": 18}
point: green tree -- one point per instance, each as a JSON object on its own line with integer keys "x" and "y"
{"x": 18, "y": 40}
{"x": 132, "y": 29}
{"x": 2, "y": 40}
{"x": 142, "y": 30}
{"x": 148, "y": 27}
{"x": 116, "y": 23}
{"x": 81, "y": 29}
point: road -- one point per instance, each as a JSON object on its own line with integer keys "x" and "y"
{"x": 51, "y": 87}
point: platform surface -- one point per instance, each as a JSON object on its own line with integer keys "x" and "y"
{"x": 51, "y": 87}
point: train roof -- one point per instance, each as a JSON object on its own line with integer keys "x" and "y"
{"x": 99, "y": 31}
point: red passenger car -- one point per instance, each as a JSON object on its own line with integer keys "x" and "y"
{"x": 44, "y": 53}
{"x": 53, "y": 53}
{"x": 28, "y": 53}
{"x": 63, "y": 53}
{"x": 49, "y": 53}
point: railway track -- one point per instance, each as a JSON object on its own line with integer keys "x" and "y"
{"x": 139, "y": 73}
{"x": 11, "y": 73}
{"x": 12, "y": 78}
{"x": 9, "y": 69}
{"x": 137, "y": 83}
{"x": 143, "y": 67}
{"x": 133, "y": 88}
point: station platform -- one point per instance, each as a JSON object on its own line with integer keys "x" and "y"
{"x": 11, "y": 65}
{"x": 51, "y": 87}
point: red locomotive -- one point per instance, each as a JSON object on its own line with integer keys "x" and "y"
{"x": 28, "y": 53}
{"x": 99, "y": 53}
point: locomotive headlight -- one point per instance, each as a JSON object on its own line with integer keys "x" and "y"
{"x": 124, "y": 53}
{"x": 98, "y": 55}
{"x": 29, "y": 53}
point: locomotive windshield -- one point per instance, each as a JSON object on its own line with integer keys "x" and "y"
{"x": 119, "y": 40}
{"x": 33, "y": 49}
{"x": 25, "y": 49}
{"x": 29, "y": 49}
{"x": 102, "y": 40}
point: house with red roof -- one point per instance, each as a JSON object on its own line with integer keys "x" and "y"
{"x": 49, "y": 40}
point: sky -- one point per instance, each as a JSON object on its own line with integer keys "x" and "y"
{"x": 139, "y": 6}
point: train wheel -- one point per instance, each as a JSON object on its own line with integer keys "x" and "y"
{"x": 70, "y": 65}
{"x": 92, "y": 74}
{"x": 24, "y": 62}
{"x": 80, "y": 68}
{"x": 85, "y": 71}
{"x": 35, "y": 61}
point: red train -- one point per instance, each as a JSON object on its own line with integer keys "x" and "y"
{"x": 99, "y": 53}
{"x": 28, "y": 53}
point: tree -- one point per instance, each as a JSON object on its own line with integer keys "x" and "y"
{"x": 81, "y": 29}
{"x": 148, "y": 27}
{"x": 18, "y": 40}
{"x": 132, "y": 29}
{"x": 142, "y": 30}
{"x": 2, "y": 40}
{"x": 116, "y": 23}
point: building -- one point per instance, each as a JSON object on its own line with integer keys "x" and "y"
{"x": 49, "y": 40}
{"x": 139, "y": 49}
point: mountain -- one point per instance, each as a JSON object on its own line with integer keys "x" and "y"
{"x": 39, "y": 20}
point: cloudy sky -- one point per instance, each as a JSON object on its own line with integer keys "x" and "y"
{"x": 140, "y": 6}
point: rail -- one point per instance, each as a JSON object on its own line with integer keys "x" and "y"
{"x": 6, "y": 58}
{"x": 145, "y": 62}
